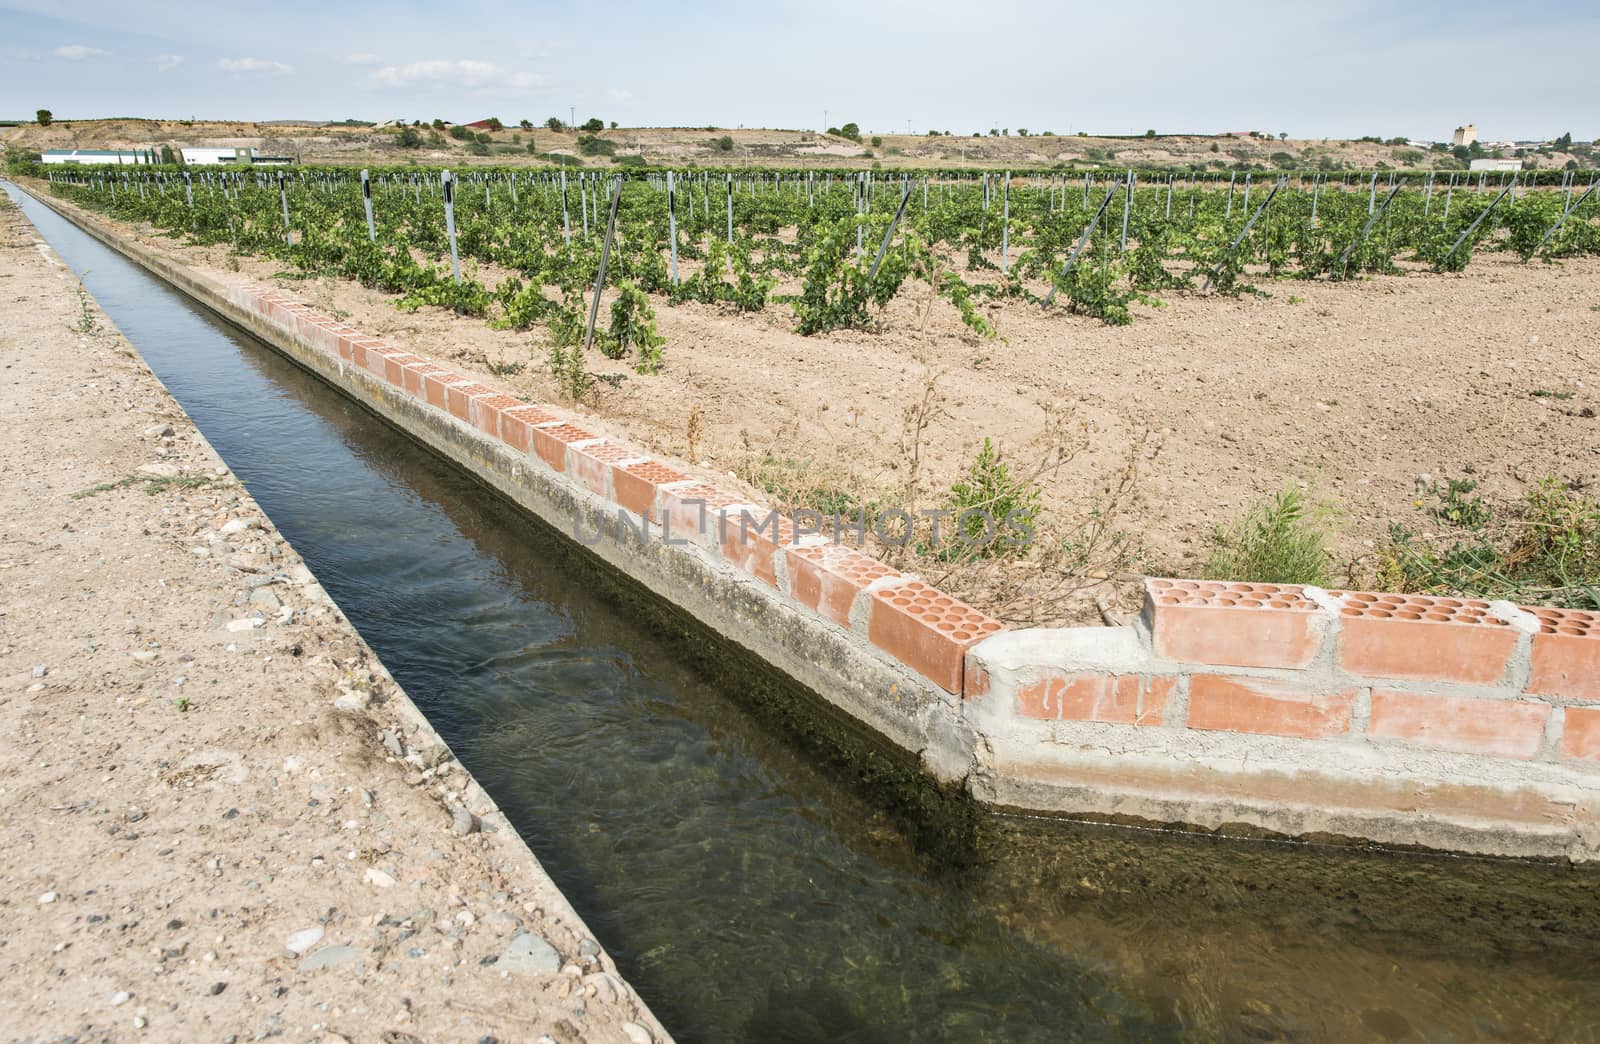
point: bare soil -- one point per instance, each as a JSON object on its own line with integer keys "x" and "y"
{"x": 1174, "y": 424}
{"x": 208, "y": 783}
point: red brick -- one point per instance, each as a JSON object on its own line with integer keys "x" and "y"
{"x": 551, "y": 443}
{"x": 751, "y": 539}
{"x": 1499, "y": 728}
{"x": 378, "y": 359}
{"x": 1233, "y": 625}
{"x": 974, "y": 679}
{"x": 516, "y": 426}
{"x": 829, "y": 577}
{"x": 591, "y": 465}
{"x": 1129, "y": 699}
{"x": 1566, "y": 654}
{"x": 634, "y": 487}
{"x": 1580, "y": 735}
{"x": 487, "y": 411}
{"x": 926, "y": 630}
{"x": 1232, "y": 704}
{"x": 394, "y": 367}
{"x": 694, "y": 513}
{"x": 347, "y": 342}
{"x": 436, "y": 388}
{"x": 461, "y": 396}
{"x": 361, "y": 346}
{"x": 415, "y": 374}
{"x": 1452, "y": 650}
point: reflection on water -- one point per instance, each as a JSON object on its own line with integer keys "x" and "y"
{"x": 755, "y": 884}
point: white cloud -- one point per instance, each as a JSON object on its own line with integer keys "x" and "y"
{"x": 362, "y": 58}
{"x": 78, "y": 52}
{"x": 463, "y": 72}
{"x": 167, "y": 62}
{"x": 253, "y": 65}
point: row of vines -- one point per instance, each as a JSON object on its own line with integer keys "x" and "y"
{"x": 842, "y": 247}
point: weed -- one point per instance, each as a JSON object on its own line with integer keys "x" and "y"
{"x": 1294, "y": 299}
{"x": 1540, "y": 393}
{"x": 1279, "y": 540}
{"x": 153, "y": 484}
{"x": 1543, "y": 548}
{"x": 182, "y": 703}
{"x": 504, "y": 368}
{"x": 88, "y": 324}
{"x": 995, "y": 511}
{"x": 695, "y": 430}
{"x": 565, "y": 361}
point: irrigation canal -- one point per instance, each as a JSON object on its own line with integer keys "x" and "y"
{"x": 756, "y": 884}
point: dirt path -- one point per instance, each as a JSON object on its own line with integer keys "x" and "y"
{"x": 222, "y": 819}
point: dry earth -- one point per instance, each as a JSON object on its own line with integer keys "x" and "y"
{"x": 222, "y": 820}
{"x": 1358, "y": 389}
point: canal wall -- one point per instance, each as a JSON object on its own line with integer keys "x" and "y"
{"x": 1245, "y": 709}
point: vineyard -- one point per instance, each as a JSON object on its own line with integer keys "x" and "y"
{"x": 1152, "y": 354}
{"x": 842, "y": 247}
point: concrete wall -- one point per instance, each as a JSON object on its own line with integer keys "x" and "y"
{"x": 1447, "y": 723}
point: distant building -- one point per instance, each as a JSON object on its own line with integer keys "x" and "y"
{"x": 118, "y": 156}
{"x": 271, "y": 161}
{"x": 1495, "y": 164}
{"x": 483, "y": 125}
{"x": 214, "y": 157}
{"x": 1465, "y": 135}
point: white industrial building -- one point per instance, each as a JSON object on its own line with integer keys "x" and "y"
{"x": 214, "y": 157}
{"x": 1496, "y": 164}
{"x": 118, "y": 156}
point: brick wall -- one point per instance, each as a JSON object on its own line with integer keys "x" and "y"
{"x": 1452, "y": 723}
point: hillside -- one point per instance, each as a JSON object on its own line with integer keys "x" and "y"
{"x": 657, "y": 146}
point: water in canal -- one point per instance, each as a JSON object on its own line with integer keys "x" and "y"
{"x": 753, "y": 884}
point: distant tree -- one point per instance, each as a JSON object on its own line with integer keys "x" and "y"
{"x": 1283, "y": 135}
{"x": 594, "y": 125}
{"x": 525, "y": 124}
{"x": 409, "y": 138}
{"x": 725, "y": 143}
{"x": 167, "y": 156}
{"x": 494, "y": 123}
{"x": 44, "y": 117}
{"x": 613, "y": 124}
{"x": 1214, "y": 147}
{"x": 876, "y": 141}
{"x": 1564, "y": 142}
{"x": 555, "y": 124}
{"x": 1150, "y": 133}
{"x": 437, "y": 124}
{"x": 851, "y": 131}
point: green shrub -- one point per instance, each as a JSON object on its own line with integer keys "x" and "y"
{"x": 1279, "y": 540}
{"x": 590, "y": 145}
{"x": 993, "y": 512}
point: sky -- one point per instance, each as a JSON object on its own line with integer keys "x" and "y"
{"x": 1332, "y": 69}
